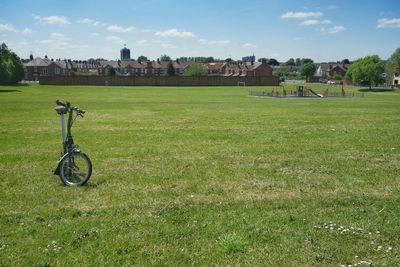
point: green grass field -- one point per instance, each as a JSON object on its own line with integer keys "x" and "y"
{"x": 201, "y": 176}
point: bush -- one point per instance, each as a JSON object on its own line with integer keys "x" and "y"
{"x": 337, "y": 77}
{"x": 195, "y": 70}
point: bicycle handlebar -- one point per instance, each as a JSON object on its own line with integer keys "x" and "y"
{"x": 58, "y": 102}
{"x": 79, "y": 112}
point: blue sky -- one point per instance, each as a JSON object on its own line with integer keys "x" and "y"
{"x": 281, "y": 29}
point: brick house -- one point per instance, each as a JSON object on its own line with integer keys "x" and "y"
{"x": 159, "y": 68}
{"x": 35, "y": 68}
{"x": 180, "y": 67}
{"x": 216, "y": 69}
{"x": 84, "y": 67}
{"x": 45, "y": 67}
{"x": 340, "y": 69}
{"x": 105, "y": 64}
{"x": 328, "y": 70}
{"x": 258, "y": 69}
{"x": 132, "y": 68}
{"x": 249, "y": 69}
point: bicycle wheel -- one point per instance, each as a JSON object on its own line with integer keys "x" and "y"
{"x": 75, "y": 169}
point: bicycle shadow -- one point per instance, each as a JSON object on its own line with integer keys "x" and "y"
{"x": 88, "y": 186}
{"x": 9, "y": 91}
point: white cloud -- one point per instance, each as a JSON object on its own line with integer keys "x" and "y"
{"x": 168, "y": 46}
{"x": 117, "y": 28}
{"x": 7, "y": 28}
{"x": 26, "y": 31}
{"x": 174, "y": 33}
{"x": 115, "y": 39}
{"x": 311, "y": 22}
{"x": 388, "y": 23}
{"x": 336, "y": 29}
{"x": 208, "y": 42}
{"x": 90, "y": 22}
{"x": 47, "y": 41}
{"x": 61, "y": 20}
{"x": 58, "y": 41}
{"x": 59, "y": 36}
{"x": 250, "y": 45}
{"x": 301, "y": 15}
{"x": 142, "y": 43}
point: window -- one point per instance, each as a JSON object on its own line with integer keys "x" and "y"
{"x": 44, "y": 71}
{"x": 57, "y": 71}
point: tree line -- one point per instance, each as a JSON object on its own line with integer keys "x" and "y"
{"x": 11, "y": 68}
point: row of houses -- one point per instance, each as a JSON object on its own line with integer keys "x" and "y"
{"x": 48, "y": 67}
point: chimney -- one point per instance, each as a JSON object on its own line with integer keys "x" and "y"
{"x": 149, "y": 64}
{"x": 158, "y": 61}
{"x": 177, "y": 61}
{"x": 252, "y": 62}
{"x": 264, "y": 61}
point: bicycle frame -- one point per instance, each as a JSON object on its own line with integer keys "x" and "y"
{"x": 67, "y": 140}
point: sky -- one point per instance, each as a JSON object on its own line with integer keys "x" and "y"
{"x": 281, "y": 29}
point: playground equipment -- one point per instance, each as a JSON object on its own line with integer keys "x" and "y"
{"x": 305, "y": 92}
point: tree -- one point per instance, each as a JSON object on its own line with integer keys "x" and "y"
{"x": 367, "y": 70}
{"x": 209, "y": 60}
{"x": 262, "y": 58}
{"x": 308, "y": 69}
{"x": 290, "y": 62}
{"x": 11, "y": 68}
{"x": 298, "y": 62}
{"x": 170, "y": 69}
{"x": 165, "y": 58}
{"x": 142, "y": 58}
{"x": 195, "y": 70}
{"x": 5, "y": 66}
{"x": 393, "y": 64}
{"x": 111, "y": 71}
{"x": 273, "y": 62}
{"x": 345, "y": 61}
{"x": 306, "y": 60}
{"x": 18, "y": 73}
{"x": 337, "y": 77}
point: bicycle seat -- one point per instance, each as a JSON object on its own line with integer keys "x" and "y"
{"x": 61, "y": 109}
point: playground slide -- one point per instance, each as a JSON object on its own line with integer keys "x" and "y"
{"x": 314, "y": 93}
